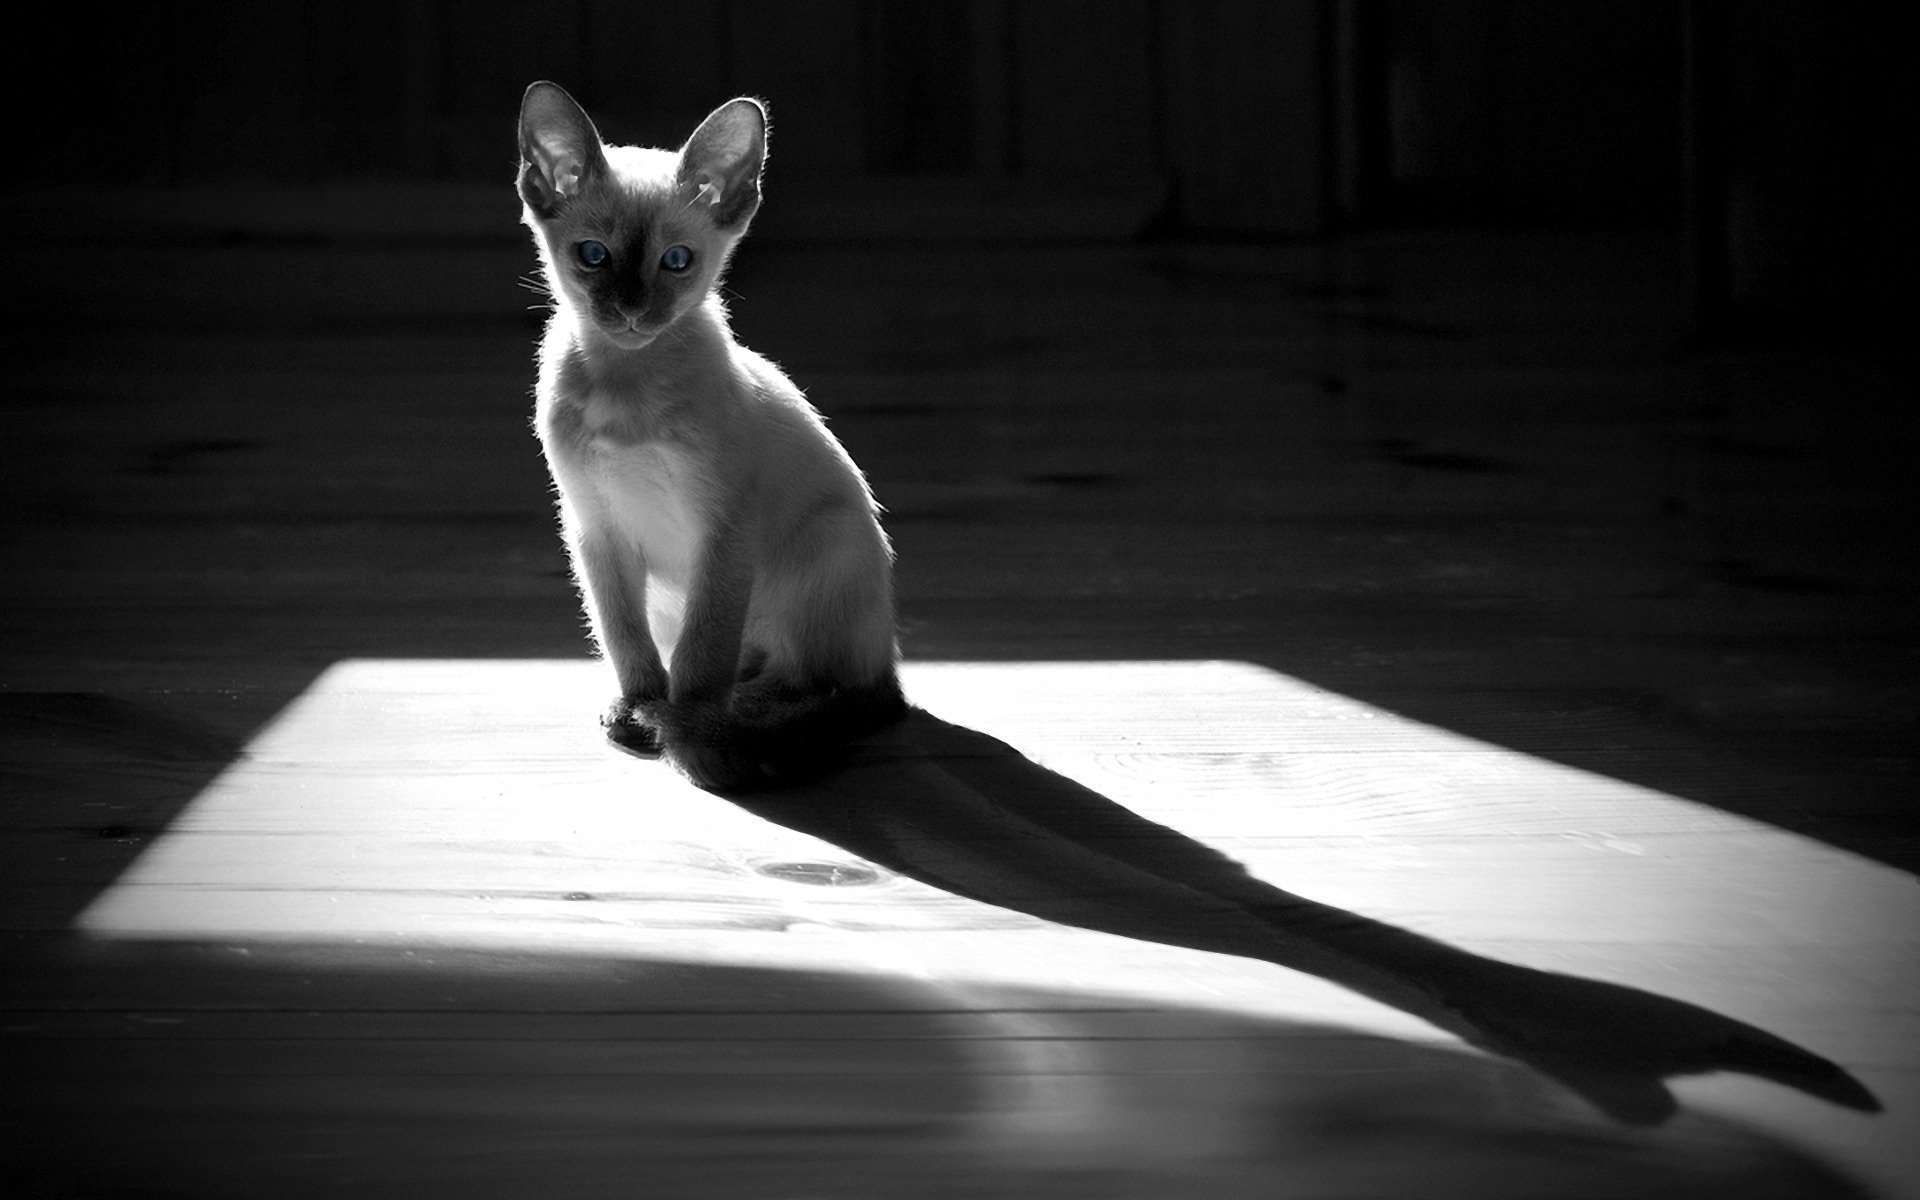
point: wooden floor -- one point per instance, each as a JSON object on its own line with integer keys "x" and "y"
{"x": 1398, "y": 720}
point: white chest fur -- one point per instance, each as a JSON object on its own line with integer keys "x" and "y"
{"x": 649, "y": 495}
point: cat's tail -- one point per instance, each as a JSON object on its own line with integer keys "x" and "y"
{"x": 771, "y": 736}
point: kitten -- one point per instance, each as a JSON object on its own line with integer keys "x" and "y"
{"x": 729, "y": 551}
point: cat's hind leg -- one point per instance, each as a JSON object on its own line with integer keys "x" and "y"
{"x": 773, "y": 733}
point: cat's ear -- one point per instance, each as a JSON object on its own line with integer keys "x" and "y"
{"x": 559, "y": 147}
{"x": 720, "y": 164}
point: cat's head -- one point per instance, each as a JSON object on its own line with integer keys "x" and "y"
{"x": 631, "y": 238}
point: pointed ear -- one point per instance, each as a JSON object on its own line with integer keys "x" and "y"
{"x": 559, "y": 147}
{"x": 720, "y": 164}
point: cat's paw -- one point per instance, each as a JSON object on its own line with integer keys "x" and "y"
{"x": 633, "y": 726}
{"x": 704, "y": 742}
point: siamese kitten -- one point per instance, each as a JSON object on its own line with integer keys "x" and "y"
{"x": 729, "y": 552}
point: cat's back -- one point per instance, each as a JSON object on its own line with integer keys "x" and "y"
{"x": 794, "y": 427}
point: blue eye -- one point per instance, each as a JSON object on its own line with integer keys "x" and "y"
{"x": 677, "y": 258}
{"x": 592, "y": 253}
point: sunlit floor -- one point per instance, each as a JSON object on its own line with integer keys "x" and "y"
{"x": 364, "y": 825}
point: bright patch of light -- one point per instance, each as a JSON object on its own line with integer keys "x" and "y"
{"x": 474, "y": 803}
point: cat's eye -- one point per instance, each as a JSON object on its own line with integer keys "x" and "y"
{"x": 677, "y": 258}
{"x": 594, "y": 254}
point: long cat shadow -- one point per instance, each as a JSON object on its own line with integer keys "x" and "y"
{"x": 967, "y": 813}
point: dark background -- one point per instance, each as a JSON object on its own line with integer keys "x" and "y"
{"x": 1770, "y": 132}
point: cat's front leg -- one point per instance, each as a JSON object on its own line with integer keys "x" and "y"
{"x": 702, "y": 737}
{"x": 616, "y": 589}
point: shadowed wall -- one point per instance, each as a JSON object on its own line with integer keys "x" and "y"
{"x": 1764, "y": 128}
